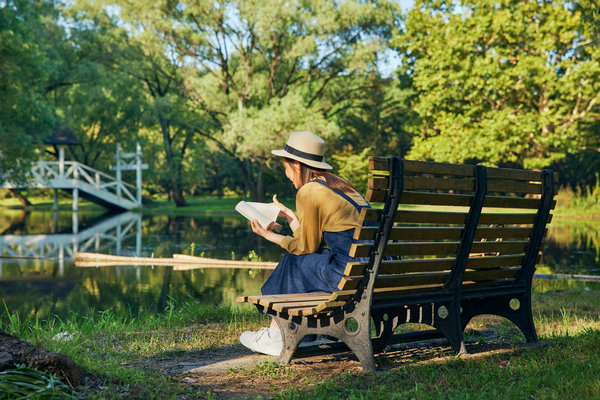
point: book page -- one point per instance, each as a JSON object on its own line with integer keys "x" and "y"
{"x": 265, "y": 213}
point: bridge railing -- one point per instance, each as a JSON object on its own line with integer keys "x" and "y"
{"x": 45, "y": 171}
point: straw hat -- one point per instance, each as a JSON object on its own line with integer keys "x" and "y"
{"x": 305, "y": 147}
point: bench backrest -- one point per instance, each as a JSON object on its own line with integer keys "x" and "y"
{"x": 453, "y": 227}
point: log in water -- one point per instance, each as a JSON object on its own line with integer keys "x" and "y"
{"x": 178, "y": 261}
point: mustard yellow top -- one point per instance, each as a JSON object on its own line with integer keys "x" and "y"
{"x": 320, "y": 209}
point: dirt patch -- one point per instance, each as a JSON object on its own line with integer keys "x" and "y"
{"x": 232, "y": 372}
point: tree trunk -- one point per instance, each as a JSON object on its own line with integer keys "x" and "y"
{"x": 16, "y": 351}
{"x": 175, "y": 190}
{"x": 260, "y": 184}
{"x": 254, "y": 186}
{"x": 22, "y": 199}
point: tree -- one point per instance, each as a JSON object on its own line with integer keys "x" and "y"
{"x": 27, "y": 66}
{"x": 134, "y": 49}
{"x": 506, "y": 82}
{"x": 101, "y": 104}
{"x": 253, "y": 71}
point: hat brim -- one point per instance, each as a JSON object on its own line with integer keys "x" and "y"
{"x": 310, "y": 163}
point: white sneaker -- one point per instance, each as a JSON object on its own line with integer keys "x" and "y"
{"x": 266, "y": 341}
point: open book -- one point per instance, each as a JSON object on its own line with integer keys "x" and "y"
{"x": 265, "y": 213}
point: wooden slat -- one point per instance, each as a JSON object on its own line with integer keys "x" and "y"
{"x": 434, "y": 233}
{"x": 342, "y": 295}
{"x": 379, "y": 163}
{"x": 375, "y": 196}
{"x": 435, "y": 264}
{"x": 427, "y": 167}
{"x": 402, "y": 281}
{"x": 429, "y": 183}
{"x": 242, "y": 299}
{"x": 356, "y": 269}
{"x": 412, "y": 233}
{"x": 409, "y": 248}
{"x": 513, "y": 187}
{"x": 511, "y": 202}
{"x": 281, "y": 298}
{"x": 286, "y": 307}
{"x": 382, "y": 164}
{"x": 303, "y": 311}
{"x": 435, "y": 199}
{"x": 449, "y": 217}
{"x": 320, "y": 309}
{"x": 424, "y": 183}
{"x": 437, "y": 248}
{"x": 494, "y": 261}
{"x": 462, "y": 200}
{"x": 378, "y": 183}
{"x": 508, "y": 218}
{"x": 278, "y": 298}
{"x": 512, "y": 173}
{"x": 389, "y": 281}
{"x": 486, "y": 275}
{"x": 380, "y": 294}
{"x": 513, "y": 246}
{"x": 485, "y": 284}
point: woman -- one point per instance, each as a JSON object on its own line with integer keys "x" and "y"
{"x": 328, "y": 212}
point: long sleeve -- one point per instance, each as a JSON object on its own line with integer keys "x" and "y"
{"x": 320, "y": 209}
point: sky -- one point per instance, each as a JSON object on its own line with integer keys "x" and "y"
{"x": 406, "y": 4}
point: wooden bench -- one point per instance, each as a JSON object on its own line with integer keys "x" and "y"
{"x": 465, "y": 240}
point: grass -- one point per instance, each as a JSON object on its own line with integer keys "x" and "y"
{"x": 120, "y": 348}
{"x": 579, "y": 203}
{"x": 105, "y": 343}
{"x": 564, "y": 368}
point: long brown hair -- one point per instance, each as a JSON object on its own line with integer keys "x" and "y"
{"x": 307, "y": 174}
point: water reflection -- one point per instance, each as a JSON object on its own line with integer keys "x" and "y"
{"x": 573, "y": 247}
{"x": 48, "y": 283}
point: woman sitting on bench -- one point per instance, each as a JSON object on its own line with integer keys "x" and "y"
{"x": 328, "y": 212}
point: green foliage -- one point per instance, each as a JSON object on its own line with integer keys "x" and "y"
{"x": 29, "y": 383}
{"x": 590, "y": 17}
{"x": 354, "y": 167}
{"x": 584, "y": 200}
{"x": 247, "y": 73}
{"x": 501, "y": 82}
{"x": 27, "y": 66}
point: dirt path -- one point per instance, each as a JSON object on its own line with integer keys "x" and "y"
{"x": 233, "y": 372}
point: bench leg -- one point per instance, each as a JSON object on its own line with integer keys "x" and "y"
{"x": 360, "y": 344}
{"x": 501, "y": 305}
{"x": 447, "y": 320}
{"x": 359, "y": 341}
{"x": 290, "y": 339}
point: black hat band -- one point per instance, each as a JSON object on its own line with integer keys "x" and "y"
{"x": 302, "y": 154}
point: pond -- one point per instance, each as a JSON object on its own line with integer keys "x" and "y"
{"x": 38, "y": 276}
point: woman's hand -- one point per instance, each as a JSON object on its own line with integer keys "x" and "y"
{"x": 287, "y": 213}
{"x": 266, "y": 233}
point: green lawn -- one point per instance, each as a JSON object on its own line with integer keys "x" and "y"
{"x": 116, "y": 347}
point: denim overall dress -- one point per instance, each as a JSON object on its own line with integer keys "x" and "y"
{"x": 320, "y": 271}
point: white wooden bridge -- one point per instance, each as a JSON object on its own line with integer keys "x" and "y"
{"x": 94, "y": 185}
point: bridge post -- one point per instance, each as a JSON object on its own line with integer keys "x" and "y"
{"x": 138, "y": 173}
{"x": 118, "y": 168}
{"x": 61, "y": 162}
{"x": 55, "y": 202}
{"x": 76, "y": 190}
